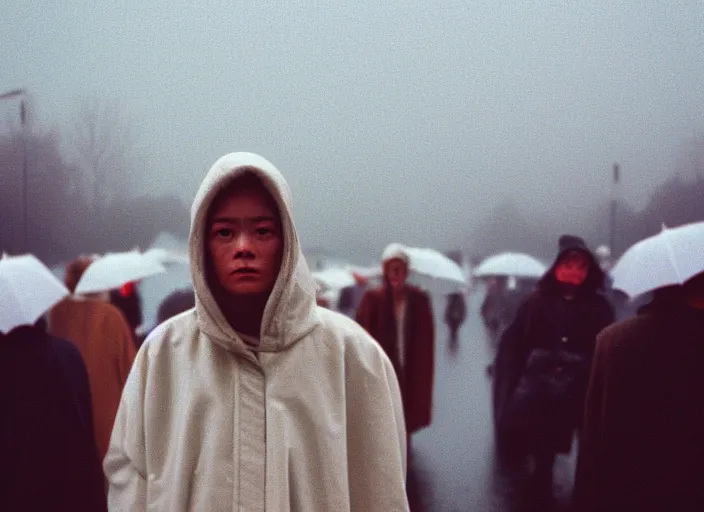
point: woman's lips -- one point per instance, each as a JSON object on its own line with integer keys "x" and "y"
{"x": 245, "y": 272}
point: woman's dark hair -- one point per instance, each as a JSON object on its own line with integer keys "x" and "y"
{"x": 75, "y": 270}
{"x": 246, "y": 180}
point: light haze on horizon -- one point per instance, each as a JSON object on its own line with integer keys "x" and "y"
{"x": 406, "y": 122}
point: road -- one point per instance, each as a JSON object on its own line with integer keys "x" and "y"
{"x": 453, "y": 467}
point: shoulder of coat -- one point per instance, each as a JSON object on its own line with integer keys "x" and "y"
{"x": 66, "y": 348}
{"x": 336, "y": 326}
{"x": 417, "y": 292}
{"x": 377, "y": 292}
{"x": 335, "y": 323}
{"x": 621, "y": 335}
{"x": 535, "y": 300}
{"x": 174, "y": 331}
{"x": 602, "y": 300}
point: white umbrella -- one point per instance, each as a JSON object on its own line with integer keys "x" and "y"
{"x": 115, "y": 269}
{"x": 166, "y": 256}
{"x": 334, "y": 278}
{"x": 370, "y": 272}
{"x": 511, "y": 264}
{"x": 434, "y": 264}
{"x": 27, "y": 290}
{"x": 669, "y": 258}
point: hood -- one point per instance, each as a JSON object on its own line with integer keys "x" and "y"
{"x": 290, "y": 312}
{"x": 595, "y": 278}
{"x": 395, "y": 251}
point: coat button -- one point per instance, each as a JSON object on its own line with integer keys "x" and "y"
{"x": 564, "y": 339}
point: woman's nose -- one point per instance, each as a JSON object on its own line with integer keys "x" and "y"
{"x": 243, "y": 244}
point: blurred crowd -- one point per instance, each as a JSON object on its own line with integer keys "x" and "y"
{"x": 310, "y": 401}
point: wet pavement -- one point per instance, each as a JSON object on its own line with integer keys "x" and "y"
{"x": 453, "y": 467}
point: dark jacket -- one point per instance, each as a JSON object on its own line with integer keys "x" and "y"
{"x": 350, "y": 298}
{"x": 549, "y": 345}
{"x": 376, "y": 314}
{"x": 456, "y": 310}
{"x": 642, "y": 447}
{"x": 130, "y": 304}
{"x": 176, "y": 303}
{"x": 48, "y": 457}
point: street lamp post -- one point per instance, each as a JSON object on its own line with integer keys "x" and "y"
{"x": 614, "y": 206}
{"x": 20, "y": 93}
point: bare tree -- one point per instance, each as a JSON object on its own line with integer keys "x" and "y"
{"x": 103, "y": 141}
{"x": 697, "y": 156}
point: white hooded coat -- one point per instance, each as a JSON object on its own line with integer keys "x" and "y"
{"x": 313, "y": 422}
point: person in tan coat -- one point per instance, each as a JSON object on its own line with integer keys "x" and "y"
{"x": 257, "y": 399}
{"x": 103, "y": 337}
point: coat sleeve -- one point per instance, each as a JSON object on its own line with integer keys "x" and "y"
{"x": 422, "y": 381}
{"x": 125, "y": 464}
{"x": 591, "y": 442}
{"x": 376, "y": 433}
{"x": 605, "y": 317}
{"x": 365, "y": 312}
{"x": 608, "y": 315}
{"x": 514, "y": 348}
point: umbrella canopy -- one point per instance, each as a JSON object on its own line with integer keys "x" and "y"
{"x": 166, "y": 256}
{"x": 511, "y": 264}
{"x": 334, "y": 278}
{"x": 115, "y": 269}
{"x": 365, "y": 273}
{"x": 27, "y": 290}
{"x": 671, "y": 257}
{"x": 434, "y": 264}
{"x": 431, "y": 270}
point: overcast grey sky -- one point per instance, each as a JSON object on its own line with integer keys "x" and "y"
{"x": 401, "y": 121}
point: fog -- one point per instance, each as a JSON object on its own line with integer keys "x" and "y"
{"x": 408, "y": 122}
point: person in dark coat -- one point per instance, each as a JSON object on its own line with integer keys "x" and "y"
{"x": 129, "y": 301}
{"x": 455, "y": 314}
{"x": 351, "y": 296}
{"x": 544, "y": 357}
{"x": 642, "y": 446}
{"x": 493, "y": 304}
{"x": 400, "y": 318}
{"x": 175, "y": 303}
{"x": 48, "y": 456}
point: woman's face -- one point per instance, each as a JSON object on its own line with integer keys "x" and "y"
{"x": 245, "y": 243}
{"x": 573, "y": 268}
{"x": 396, "y": 273}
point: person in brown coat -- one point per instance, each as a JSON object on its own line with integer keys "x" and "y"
{"x": 400, "y": 318}
{"x": 103, "y": 337}
{"x": 642, "y": 447}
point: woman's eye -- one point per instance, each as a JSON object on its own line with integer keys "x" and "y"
{"x": 223, "y": 232}
{"x": 263, "y": 231}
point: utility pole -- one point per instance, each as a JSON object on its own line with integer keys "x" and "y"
{"x": 25, "y": 184}
{"x": 614, "y": 206}
{"x": 20, "y": 93}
